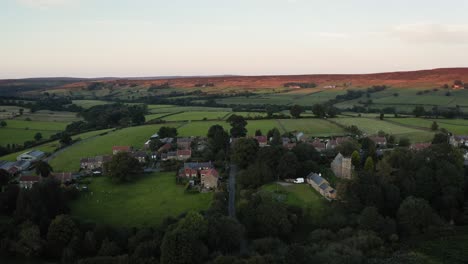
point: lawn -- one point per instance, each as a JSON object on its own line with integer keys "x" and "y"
{"x": 372, "y": 126}
{"x": 301, "y": 195}
{"x": 69, "y": 160}
{"x": 146, "y": 202}
{"x": 312, "y": 127}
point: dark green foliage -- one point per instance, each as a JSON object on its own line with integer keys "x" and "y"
{"x": 288, "y": 165}
{"x": 60, "y": 233}
{"x": 238, "y": 125}
{"x": 167, "y": 132}
{"x": 38, "y": 136}
{"x": 65, "y": 139}
{"x": 224, "y": 234}
{"x": 319, "y": 110}
{"x": 419, "y": 111}
{"x": 218, "y": 138}
{"x": 42, "y": 168}
{"x": 244, "y": 151}
{"x": 296, "y": 111}
{"x": 415, "y": 215}
{"x": 123, "y": 167}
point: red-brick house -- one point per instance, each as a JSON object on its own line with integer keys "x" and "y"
{"x": 117, "y": 149}
{"x": 140, "y": 156}
{"x": 319, "y": 145}
{"x": 184, "y": 143}
{"x": 379, "y": 141}
{"x": 420, "y": 146}
{"x": 209, "y": 178}
{"x": 165, "y": 147}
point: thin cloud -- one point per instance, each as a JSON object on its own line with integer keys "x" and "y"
{"x": 431, "y": 33}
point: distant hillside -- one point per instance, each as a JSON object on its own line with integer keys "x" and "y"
{"x": 410, "y": 79}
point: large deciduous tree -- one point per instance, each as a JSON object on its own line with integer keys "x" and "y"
{"x": 238, "y": 125}
{"x": 296, "y": 111}
{"x": 123, "y": 167}
{"x": 244, "y": 151}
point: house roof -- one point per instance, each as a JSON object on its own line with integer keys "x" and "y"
{"x": 164, "y": 147}
{"x": 139, "y": 154}
{"x": 378, "y": 140}
{"x": 155, "y": 135}
{"x": 316, "y": 178}
{"x": 184, "y": 152}
{"x": 196, "y": 165}
{"x": 121, "y": 148}
{"x": 34, "y": 153}
{"x": 184, "y": 140}
{"x": 29, "y": 178}
{"x": 261, "y": 139}
{"x": 420, "y": 146}
{"x": 210, "y": 172}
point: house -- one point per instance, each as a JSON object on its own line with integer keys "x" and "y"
{"x": 27, "y": 181}
{"x": 117, "y": 149}
{"x": 171, "y": 155}
{"x": 420, "y": 146}
{"x": 300, "y": 136}
{"x": 140, "y": 156}
{"x": 379, "y": 141}
{"x": 147, "y": 144}
{"x": 184, "y": 143}
{"x": 94, "y": 163}
{"x": 191, "y": 169}
{"x": 154, "y": 136}
{"x": 167, "y": 140}
{"x": 459, "y": 141}
{"x": 209, "y": 178}
{"x": 333, "y": 143}
{"x": 342, "y": 167}
{"x": 184, "y": 154}
{"x": 62, "y": 177}
{"x": 262, "y": 141}
{"x": 9, "y": 167}
{"x": 22, "y": 165}
{"x": 165, "y": 147}
{"x": 319, "y": 145}
{"x": 31, "y": 156}
{"x": 321, "y": 185}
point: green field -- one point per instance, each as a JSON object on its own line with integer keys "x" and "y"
{"x": 312, "y": 127}
{"x": 456, "y": 126}
{"x": 146, "y": 202}
{"x": 50, "y": 116}
{"x": 89, "y": 103}
{"x": 51, "y": 146}
{"x": 69, "y": 160}
{"x": 301, "y": 195}
{"x": 17, "y": 131}
{"x": 197, "y": 115}
{"x": 372, "y": 126}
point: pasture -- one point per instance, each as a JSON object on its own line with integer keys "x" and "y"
{"x": 145, "y": 202}
{"x": 69, "y": 159}
{"x": 372, "y": 126}
{"x": 456, "y": 126}
{"x": 197, "y": 115}
{"x": 52, "y": 146}
{"x": 50, "y": 116}
{"x": 311, "y": 127}
{"x": 90, "y": 103}
{"x": 17, "y": 131}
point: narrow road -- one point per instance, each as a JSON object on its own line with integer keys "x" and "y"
{"x": 232, "y": 191}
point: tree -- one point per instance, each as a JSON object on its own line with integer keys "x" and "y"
{"x": 65, "y": 139}
{"x": 3, "y": 123}
{"x": 167, "y": 132}
{"x": 288, "y": 165}
{"x": 382, "y": 115}
{"x": 370, "y": 219}
{"x": 38, "y": 136}
{"x": 155, "y": 144}
{"x": 29, "y": 243}
{"x": 275, "y": 137}
{"x": 434, "y": 126}
{"x": 21, "y": 111}
{"x": 356, "y": 159}
{"x": 296, "y": 111}
{"x": 419, "y": 111}
{"x": 440, "y": 138}
{"x": 415, "y": 215}
{"x": 218, "y": 138}
{"x": 238, "y": 125}
{"x": 43, "y": 168}
{"x": 224, "y": 234}
{"x": 258, "y": 132}
{"x": 369, "y": 165}
{"x": 319, "y": 110}
{"x": 61, "y": 231}
{"x": 404, "y": 142}
{"x": 123, "y": 167}
{"x": 244, "y": 151}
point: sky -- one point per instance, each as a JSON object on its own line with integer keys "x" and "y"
{"x": 132, "y": 38}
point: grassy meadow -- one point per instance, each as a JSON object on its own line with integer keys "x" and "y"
{"x": 145, "y": 202}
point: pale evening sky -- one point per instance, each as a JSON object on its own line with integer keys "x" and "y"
{"x": 92, "y": 38}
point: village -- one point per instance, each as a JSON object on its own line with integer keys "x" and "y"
{"x": 203, "y": 175}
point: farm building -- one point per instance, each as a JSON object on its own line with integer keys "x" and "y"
{"x": 321, "y": 185}
{"x": 333, "y": 143}
{"x": 27, "y": 181}
{"x": 184, "y": 154}
{"x": 379, "y": 141}
{"x": 94, "y": 163}
{"x": 342, "y": 167}
{"x": 140, "y": 156}
{"x": 33, "y": 155}
{"x": 459, "y": 141}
